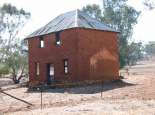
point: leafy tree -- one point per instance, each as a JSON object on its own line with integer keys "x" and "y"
{"x": 11, "y": 21}
{"x": 117, "y": 14}
{"x": 3, "y": 69}
{"x": 150, "y": 48}
{"x": 17, "y": 63}
{"x": 135, "y": 52}
{"x": 12, "y": 59}
{"x": 93, "y": 10}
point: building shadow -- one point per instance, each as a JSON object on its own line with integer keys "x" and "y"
{"x": 102, "y": 87}
{"x": 86, "y": 89}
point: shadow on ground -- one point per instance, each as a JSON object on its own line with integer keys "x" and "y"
{"x": 87, "y": 89}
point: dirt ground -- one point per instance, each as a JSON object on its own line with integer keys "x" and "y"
{"x": 134, "y": 95}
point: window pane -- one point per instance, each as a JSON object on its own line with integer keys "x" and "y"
{"x": 51, "y": 70}
{"x": 66, "y": 69}
{"x": 66, "y": 66}
{"x": 37, "y": 68}
{"x": 58, "y": 42}
{"x": 66, "y": 62}
{"x": 41, "y": 43}
{"x": 57, "y": 38}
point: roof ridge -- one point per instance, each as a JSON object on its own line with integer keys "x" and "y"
{"x": 76, "y": 18}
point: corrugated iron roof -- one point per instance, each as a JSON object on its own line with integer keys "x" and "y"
{"x": 71, "y": 19}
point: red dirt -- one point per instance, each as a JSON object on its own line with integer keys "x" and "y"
{"x": 133, "y": 95}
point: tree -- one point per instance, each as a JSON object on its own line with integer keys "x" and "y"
{"x": 135, "y": 52}
{"x": 117, "y": 14}
{"x": 150, "y": 48}
{"x": 12, "y": 21}
{"x": 93, "y": 10}
{"x": 17, "y": 63}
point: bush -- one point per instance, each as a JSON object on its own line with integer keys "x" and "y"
{"x": 4, "y": 69}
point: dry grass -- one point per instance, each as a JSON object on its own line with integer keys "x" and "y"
{"x": 133, "y": 96}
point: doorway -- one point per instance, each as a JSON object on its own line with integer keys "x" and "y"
{"x": 50, "y": 73}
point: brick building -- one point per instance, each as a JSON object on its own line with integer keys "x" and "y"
{"x": 73, "y": 48}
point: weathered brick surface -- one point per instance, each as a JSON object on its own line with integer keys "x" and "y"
{"x": 92, "y": 55}
{"x": 97, "y": 55}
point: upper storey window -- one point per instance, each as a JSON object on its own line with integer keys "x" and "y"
{"x": 41, "y": 44}
{"x": 57, "y": 39}
{"x": 58, "y": 42}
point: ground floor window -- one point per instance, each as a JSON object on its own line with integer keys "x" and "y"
{"x": 37, "y": 69}
{"x": 50, "y": 73}
{"x": 66, "y": 66}
{"x": 51, "y": 69}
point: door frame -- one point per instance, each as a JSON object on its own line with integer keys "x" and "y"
{"x": 50, "y": 78}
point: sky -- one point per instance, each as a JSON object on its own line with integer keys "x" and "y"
{"x": 43, "y": 11}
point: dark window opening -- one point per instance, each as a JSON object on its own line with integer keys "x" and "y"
{"x": 66, "y": 71}
{"x": 41, "y": 44}
{"x": 57, "y": 38}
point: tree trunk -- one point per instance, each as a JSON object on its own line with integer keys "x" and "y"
{"x": 15, "y": 80}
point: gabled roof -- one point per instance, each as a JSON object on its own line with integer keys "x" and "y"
{"x": 71, "y": 19}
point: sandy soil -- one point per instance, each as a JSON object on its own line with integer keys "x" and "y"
{"x": 133, "y": 95}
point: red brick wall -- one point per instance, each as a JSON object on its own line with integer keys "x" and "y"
{"x": 55, "y": 55}
{"x": 97, "y": 55}
{"x": 92, "y": 55}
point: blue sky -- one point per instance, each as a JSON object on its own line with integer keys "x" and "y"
{"x": 43, "y": 11}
